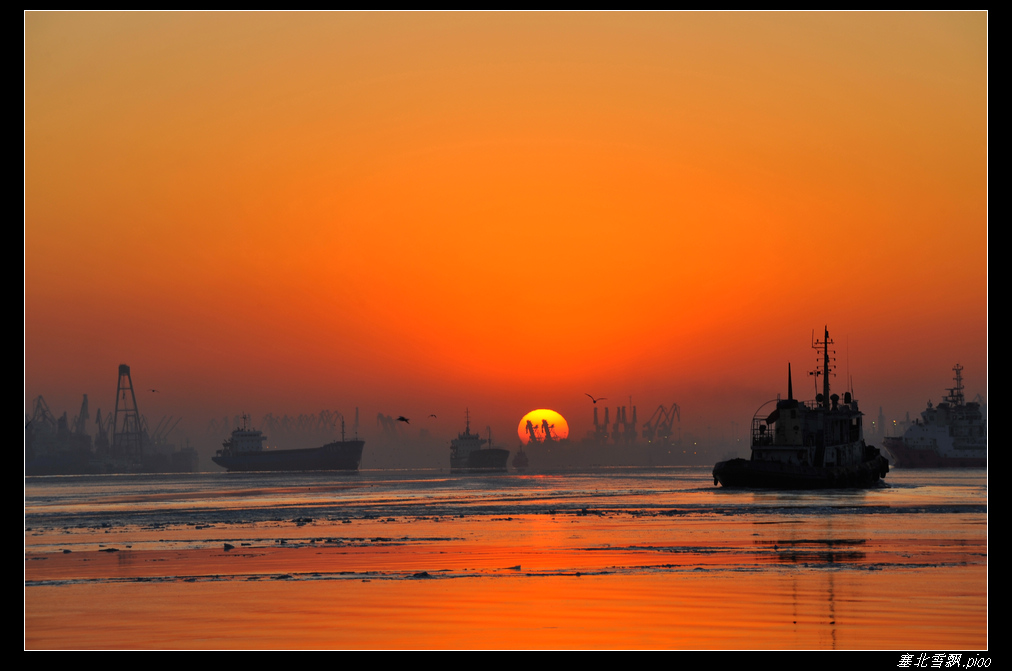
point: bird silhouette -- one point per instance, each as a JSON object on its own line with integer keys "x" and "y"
{"x": 595, "y": 400}
{"x": 404, "y": 419}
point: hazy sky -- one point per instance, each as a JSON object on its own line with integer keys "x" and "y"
{"x": 418, "y": 213}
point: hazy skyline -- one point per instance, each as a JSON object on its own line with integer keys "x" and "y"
{"x": 415, "y": 213}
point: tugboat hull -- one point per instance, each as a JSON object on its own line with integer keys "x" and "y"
{"x": 772, "y": 475}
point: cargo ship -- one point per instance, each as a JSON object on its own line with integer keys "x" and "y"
{"x": 807, "y": 445}
{"x": 468, "y": 456}
{"x": 952, "y": 434}
{"x": 244, "y": 451}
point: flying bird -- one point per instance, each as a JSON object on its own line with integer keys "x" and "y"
{"x": 404, "y": 419}
{"x": 431, "y": 415}
{"x": 595, "y": 400}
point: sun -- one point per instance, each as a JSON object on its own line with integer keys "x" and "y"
{"x": 540, "y": 421}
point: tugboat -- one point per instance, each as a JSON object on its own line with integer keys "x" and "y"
{"x": 952, "y": 434}
{"x": 812, "y": 445}
{"x": 244, "y": 451}
{"x": 468, "y": 456}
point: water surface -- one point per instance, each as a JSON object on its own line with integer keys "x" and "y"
{"x": 622, "y": 558}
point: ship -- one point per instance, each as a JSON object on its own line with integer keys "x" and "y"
{"x": 244, "y": 451}
{"x": 468, "y": 456}
{"x": 520, "y": 461}
{"x": 952, "y": 434}
{"x": 807, "y": 445}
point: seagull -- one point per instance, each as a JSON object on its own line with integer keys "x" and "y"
{"x": 404, "y": 419}
{"x": 153, "y": 391}
{"x": 595, "y": 400}
{"x": 432, "y": 416}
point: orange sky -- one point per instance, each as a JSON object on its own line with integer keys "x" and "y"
{"x": 417, "y": 213}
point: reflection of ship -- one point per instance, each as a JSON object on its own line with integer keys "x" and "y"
{"x": 468, "y": 456}
{"x": 244, "y": 451}
{"x": 818, "y": 444}
{"x": 953, "y": 434}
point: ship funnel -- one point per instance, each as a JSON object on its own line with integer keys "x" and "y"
{"x": 790, "y": 385}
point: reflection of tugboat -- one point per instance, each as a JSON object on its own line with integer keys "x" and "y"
{"x": 953, "y": 434}
{"x": 244, "y": 451}
{"x": 813, "y": 445}
{"x": 468, "y": 456}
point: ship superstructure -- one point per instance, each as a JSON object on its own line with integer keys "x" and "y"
{"x": 952, "y": 434}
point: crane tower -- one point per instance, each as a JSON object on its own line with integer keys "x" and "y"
{"x": 128, "y": 434}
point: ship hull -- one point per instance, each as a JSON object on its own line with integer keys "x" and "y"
{"x": 774, "y": 475}
{"x": 905, "y": 456}
{"x": 337, "y": 456}
{"x": 492, "y": 460}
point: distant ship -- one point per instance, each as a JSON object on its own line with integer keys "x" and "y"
{"x": 468, "y": 456}
{"x": 244, "y": 451}
{"x": 952, "y": 434}
{"x": 520, "y": 461}
{"x": 813, "y": 445}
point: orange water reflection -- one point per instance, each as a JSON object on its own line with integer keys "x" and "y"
{"x": 531, "y": 581}
{"x": 824, "y": 609}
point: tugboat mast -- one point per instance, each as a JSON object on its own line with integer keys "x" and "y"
{"x": 824, "y": 346}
